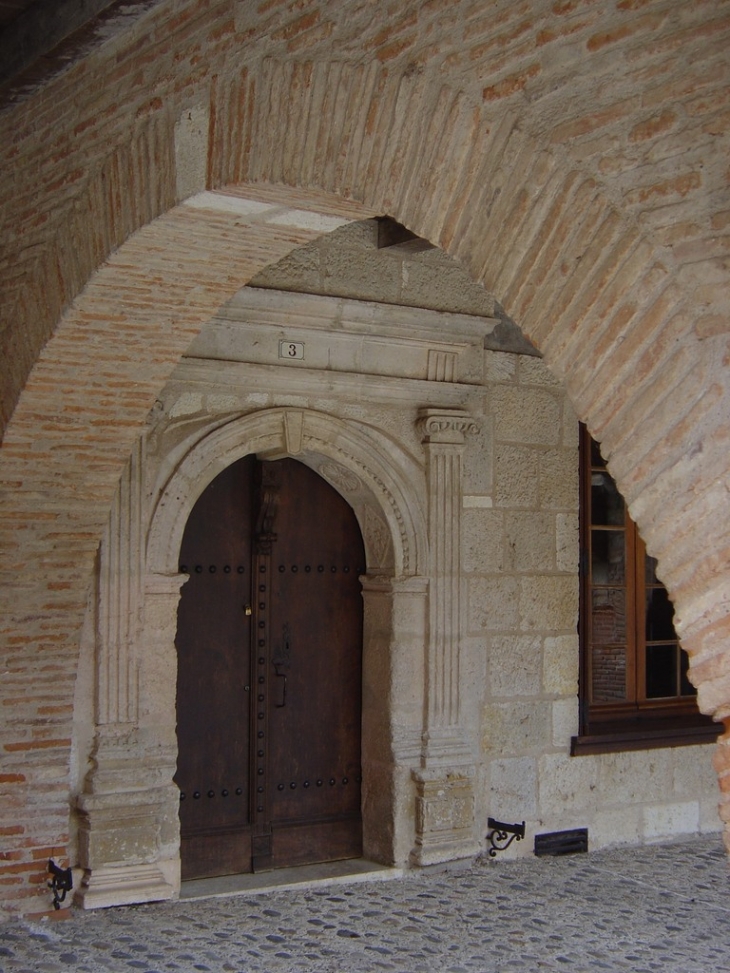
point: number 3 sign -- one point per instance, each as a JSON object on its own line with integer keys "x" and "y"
{"x": 291, "y": 349}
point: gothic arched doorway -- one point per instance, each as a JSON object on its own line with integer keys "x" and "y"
{"x": 269, "y": 672}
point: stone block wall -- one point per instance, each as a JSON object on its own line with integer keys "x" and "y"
{"x": 521, "y": 559}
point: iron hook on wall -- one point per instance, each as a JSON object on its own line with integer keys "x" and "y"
{"x": 61, "y": 882}
{"x": 500, "y": 835}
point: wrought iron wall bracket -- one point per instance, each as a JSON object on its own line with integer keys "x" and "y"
{"x": 500, "y": 835}
{"x": 61, "y": 882}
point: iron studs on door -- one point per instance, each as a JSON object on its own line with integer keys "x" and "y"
{"x": 259, "y": 609}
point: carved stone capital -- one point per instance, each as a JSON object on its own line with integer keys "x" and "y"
{"x": 165, "y": 585}
{"x": 411, "y": 585}
{"x": 448, "y": 426}
{"x": 443, "y": 748}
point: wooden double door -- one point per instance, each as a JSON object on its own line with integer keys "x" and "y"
{"x": 269, "y": 673}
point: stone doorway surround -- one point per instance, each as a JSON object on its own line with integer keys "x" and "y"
{"x": 418, "y": 764}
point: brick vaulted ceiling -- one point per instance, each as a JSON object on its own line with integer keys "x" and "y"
{"x": 39, "y": 38}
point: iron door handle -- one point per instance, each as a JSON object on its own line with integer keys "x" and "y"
{"x": 281, "y": 675}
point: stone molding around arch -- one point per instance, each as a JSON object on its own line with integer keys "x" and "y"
{"x": 369, "y": 469}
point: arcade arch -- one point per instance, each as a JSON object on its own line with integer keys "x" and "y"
{"x": 117, "y": 265}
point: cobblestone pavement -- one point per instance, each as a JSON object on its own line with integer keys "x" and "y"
{"x": 659, "y": 908}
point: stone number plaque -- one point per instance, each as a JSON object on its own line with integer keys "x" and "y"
{"x": 293, "y": 350}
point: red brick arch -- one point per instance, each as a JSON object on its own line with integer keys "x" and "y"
{"x": 528, "y": 212}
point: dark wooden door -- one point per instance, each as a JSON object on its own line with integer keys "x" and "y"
{"x": 269, "y": 673}
{"x": 213, "y": 683}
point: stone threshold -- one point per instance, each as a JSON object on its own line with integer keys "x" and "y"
{"x": 283, "y": 879}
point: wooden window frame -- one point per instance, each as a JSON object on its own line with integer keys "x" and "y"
{"x": 636, "y": 722}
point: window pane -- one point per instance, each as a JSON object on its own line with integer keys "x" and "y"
{"x": 608, "y": 673}
{"x": 661, "y": 671}
{"x": 659, "y": 616}
{"x": 686, "y": 687}
{"x": 607, "y": 505}
{"x": 608, "y": 557}
{"x": 608, "y": 616}
{"x": 596, "y": 458}
{"x": 630, "y": 654}
{"x": 650, "y": 570}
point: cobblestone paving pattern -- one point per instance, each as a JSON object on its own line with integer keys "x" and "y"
{"x": 660, "y": 908}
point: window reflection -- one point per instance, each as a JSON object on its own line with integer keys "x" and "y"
{"x": 659, "y": 616}
{"x": 607, "y": 504}
{"x": 661, "y": 671}
{"x": 608, "y": 557}
{"x": 609, "y": 615}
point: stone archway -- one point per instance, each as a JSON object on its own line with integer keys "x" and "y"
{"x": 129, "y": 844}
{"x": 89, "y": 505}
{"x": 521, "y": 195}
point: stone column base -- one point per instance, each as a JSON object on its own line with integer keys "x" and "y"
{"x": 444, "y": 816}
{"x": 123, "y": 884}
{"x": 128, "y": 846}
